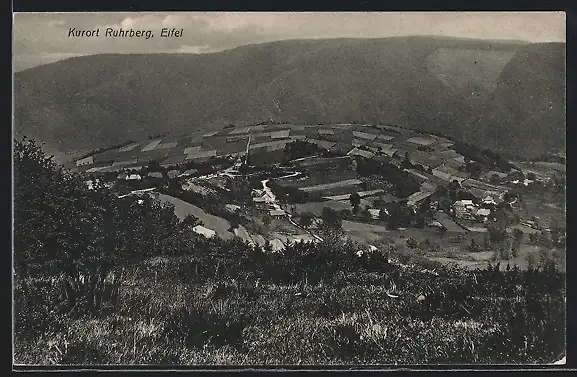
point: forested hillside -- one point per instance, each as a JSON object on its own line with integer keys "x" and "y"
{"x": 463, "y": 88}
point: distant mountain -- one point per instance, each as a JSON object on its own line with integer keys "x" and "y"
{"x": 525, "y": 114}
{"x": 472, "y": 89}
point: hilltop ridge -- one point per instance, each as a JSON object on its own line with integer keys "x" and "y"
{"x": 470, "y": 89}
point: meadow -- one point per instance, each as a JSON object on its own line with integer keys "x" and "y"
{"x": 352, "y": 310}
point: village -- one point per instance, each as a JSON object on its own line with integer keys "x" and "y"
{"x": 379, "y": 181}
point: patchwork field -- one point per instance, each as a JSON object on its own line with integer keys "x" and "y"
{"x": 273, "y": 138}
{"x": 435, "y": 160}
{"x": 328, "y": 186}
{"x": 317, "y": 207}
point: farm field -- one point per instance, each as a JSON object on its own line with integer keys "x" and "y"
{"x": 449, "y": 223}
{"x": 363, "y": 227}
{"x": 317, "y": 207}
{"x": 543, "y": 168}
{"x": 340, "y": 192}
{"x": 230, "y": 141}
{"x": 327, "y": 186}
{"x": 545, "y": 207}
{"x": 199, "y": 189}
{"x": 312, "y": 180}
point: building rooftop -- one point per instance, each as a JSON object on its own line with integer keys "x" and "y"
{"x": 483, "y": 212}
{"x": 277, "y": 212}
{"x": 361, "y": 152}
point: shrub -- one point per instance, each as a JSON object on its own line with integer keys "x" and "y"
{"x": 412, "y": 243}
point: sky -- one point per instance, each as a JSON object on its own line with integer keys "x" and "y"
{"x": 41, "y": 38}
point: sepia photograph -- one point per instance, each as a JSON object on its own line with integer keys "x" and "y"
{"x": 246, "y": 189}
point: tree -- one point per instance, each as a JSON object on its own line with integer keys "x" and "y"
{"x": 474, "y": 168}
{"x": 400, "y": 215}
{"x": 495, "y": 256}
{"x": 266, "y": 220}
{"x": 306, "y": 219}
{"x": 420, "y": 221}
{"x": 545, "y": 239}
{"x": 474, "y": 248}
{"x": 531, "y": 260}
{"x": 555, "y": 230}
{"x": 517, "y": 239}
{"x": 533, "y": 238}
{"x": 504, "y": 250}
{"x": 331, "y": 218}
{"x": 62, "y": 227}
{"x": 544, "y": 257}
{"x": 497, "y": 226}
{"x": 378, "y": 203}
{"x": 191, "y": 221}
{"x": 411, "y": 243}
{"x": 366, "y": 214}
{"x": 154, "y": 166}
{"x": 444, "y": 205}
{"x": 383, "y": 215}
{"x": 486, "y": 242}
{"x": 355, "y": 200}
{"x": 442, "y": 231}
{"x": 515, "y": 249}
{"x": 345, "y": 214}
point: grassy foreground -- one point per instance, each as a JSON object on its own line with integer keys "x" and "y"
{"x": 167, "y": 312}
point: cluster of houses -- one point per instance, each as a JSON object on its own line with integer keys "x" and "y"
{"x": 129, "y": 177}
{"x": 91, "y": 184}
{"x": 469, "y": 210}
{"x": 267, "y": 197}
{"x": 133, "y": 176}
{"x": 516, "y": 178}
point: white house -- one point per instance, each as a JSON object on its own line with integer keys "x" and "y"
{"x": 375, "y": 213}
{"x": 527, "y": 182}
{"x": 90, "y": 184}
{"x": 483, "y": 213}
{"x": 188, "y": 172}
{"x": 155, "y": 174}
{"x": 129, "y": 177}
{"x": 173, "y": 173}
{"x": 277, "y": 213}
{"x": 232, "y": 207}
{"x": 489, "y": 200}
{"x": 465, "y": 209}
{"x": 208, "y": 233}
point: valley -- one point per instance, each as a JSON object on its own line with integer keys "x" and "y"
{"x": 276, "y": 184}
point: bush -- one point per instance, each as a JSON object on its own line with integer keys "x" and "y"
{"x": 412, "y": 243}
{"x": 306, "y": 219}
